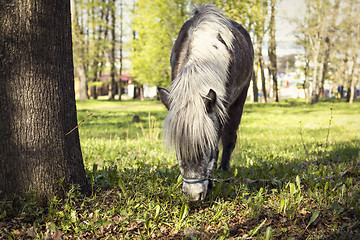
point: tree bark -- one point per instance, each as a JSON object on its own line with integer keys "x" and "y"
{"x": 306, "y": 84}
{"x": 272, "y": 51}
{"x": 351, "y": 89}
{"x": 255, "y": 87}
{"x": 324, "y": 68}
{"x": 263, "y": 79}
{"x": 37, "y": 100}
{"x": 83, "y": 82}
{"x": 121, "y": 48}
{"x": 316, "y": 83}
{"x": 112, "y": 84}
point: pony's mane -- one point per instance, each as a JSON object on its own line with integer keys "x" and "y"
{"x": 188, "y": 127}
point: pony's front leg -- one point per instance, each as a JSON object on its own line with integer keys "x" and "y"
{"x": 229, "y": 135}
{"x": 229, "y": 141}
{"x": 214, "y": 158}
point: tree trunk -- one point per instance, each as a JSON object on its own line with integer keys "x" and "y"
{"x": 37, "y": 100}
{"x": 324, "y": 68}
{"x": 351, "y": 89}
{"x": 316, "y": 83}
{"x": 142, "y": 93}
{"x": 255, "y": 88}
{"x": 306, "y": 84}
{"x": 275, "y": 86}
{"x": 83, "y": 82}
{"x": 328, "y": 44}
{"x": 263, "y": 80}
{"x": 121, "y": 47}
{"x": 272, "y": 51}
{"x": 119, "y": 89}
{"x": 316, "y": 47}
{"x": 352, "y": 84}
{"x": 112, "y": 84}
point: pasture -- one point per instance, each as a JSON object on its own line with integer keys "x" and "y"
{"x": 295, "y": 174}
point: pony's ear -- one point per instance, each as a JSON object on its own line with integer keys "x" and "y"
{"x": 165, "y": 97}
{"x": 210, "y": 101}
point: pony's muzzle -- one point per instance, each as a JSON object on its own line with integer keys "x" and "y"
{"x": 196, "y": 191}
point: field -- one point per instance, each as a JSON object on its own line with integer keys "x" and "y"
{"x": 295, "y": 175}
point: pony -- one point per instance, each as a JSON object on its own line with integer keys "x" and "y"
{"x": 211, "y": 68}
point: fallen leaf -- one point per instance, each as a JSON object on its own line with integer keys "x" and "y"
{"x": 190, "y": 231}
{"x": 163, "y": 229}
{"x": 58, "y": 235}
{"x": 19, "y": 233}
{"x": 303, "y": 211}
{"x": 31, "y": 232}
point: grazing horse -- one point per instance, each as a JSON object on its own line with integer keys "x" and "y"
{"x": 211, "y": 62}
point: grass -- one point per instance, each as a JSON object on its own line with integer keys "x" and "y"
{"x": 296, "y": 165}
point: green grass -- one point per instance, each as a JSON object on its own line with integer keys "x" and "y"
{"x": 297, "y": 168}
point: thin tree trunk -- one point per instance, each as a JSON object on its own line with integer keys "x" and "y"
{"x": 255, "y": 88}
{"x": 272, "y": 51}
{"x": 324, "y": 68}
{"x": 83, "y": 83}
{"x": 263, "y": 80}
{"x": 330, "y": 31}
{"x": 121, "y": 48}
{"x": 95, "y": 66}
{"x": 306, "y": 84}
{"x": 112, "y": 84}
{"x": 315, "y": 95}
{"x": 37, "y": 100}
{"x": 142, "y": 93}
{"x": 351, "y": 89}
{"x": 316, "y": 83}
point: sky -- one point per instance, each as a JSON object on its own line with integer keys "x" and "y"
{"x": 285, "y": 37}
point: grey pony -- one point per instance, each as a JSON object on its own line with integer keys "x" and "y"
{"x": 212, "y": 64}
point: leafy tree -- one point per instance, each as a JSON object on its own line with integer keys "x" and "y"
{"x": 37, "y": 100}
{"x": 317, "y": 37}
{"x": 259, "y": 15}
{"x": 156, "y": 24}
{"x": 94, "y": 43}
{"x": 350, "y": 36}
{"x": 328, "y": 42}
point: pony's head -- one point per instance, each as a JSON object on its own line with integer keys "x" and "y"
{"x": 191, "y": 128}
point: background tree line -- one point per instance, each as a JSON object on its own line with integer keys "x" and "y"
{"x": 329, "y": 34}
{"x": 97, "y": 39}
{"x": 158, "y": 23}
